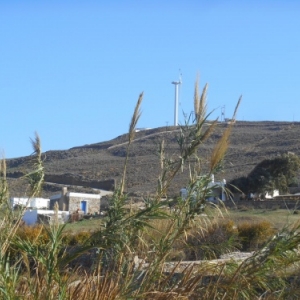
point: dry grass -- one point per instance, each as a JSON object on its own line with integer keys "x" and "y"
{"x": 279, "y": 218}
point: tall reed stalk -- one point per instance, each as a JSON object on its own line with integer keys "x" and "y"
{"x": 132, "y": 127}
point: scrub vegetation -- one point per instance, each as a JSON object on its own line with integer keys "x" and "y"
{"x": 136, "y": 253}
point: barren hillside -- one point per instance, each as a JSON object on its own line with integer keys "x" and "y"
{"x": 251, "y": 142}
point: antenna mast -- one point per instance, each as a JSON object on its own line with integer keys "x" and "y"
{"x": 176, "y": 83}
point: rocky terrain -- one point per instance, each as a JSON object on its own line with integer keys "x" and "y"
{"x": 100, "y": 165}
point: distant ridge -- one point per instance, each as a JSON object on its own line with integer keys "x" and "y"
{"x": 250, "y": 143}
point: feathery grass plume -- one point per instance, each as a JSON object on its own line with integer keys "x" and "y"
{"x": 200, "y": 102}
{"x": 36, "y": 177}
{"x": 135, "y": 118}
{"x": 131, "y": 133}
{"x": 219, "y": 150}
{"x": 223, "y": 143}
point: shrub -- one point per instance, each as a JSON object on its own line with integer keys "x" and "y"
{"x": 253, "y": 235}
{"x": 33, "y": 234}
{"x": 209, "y": 243}
{"x": 78, "y": 238}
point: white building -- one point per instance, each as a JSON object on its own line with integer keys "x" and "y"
{"x": 29, "y": 202}
{"x": 271, "y": 195}
{"x": 217, "y": 191}
{"x": 33, "y": 216}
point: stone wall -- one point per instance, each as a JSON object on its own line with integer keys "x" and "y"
{"x": 266, "y": 204}
{"x": 72, "y": 179}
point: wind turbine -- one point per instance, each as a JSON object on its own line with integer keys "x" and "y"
{"x": 176, "y": 83}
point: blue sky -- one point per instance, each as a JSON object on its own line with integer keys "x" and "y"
{"x": 73, "y": 70}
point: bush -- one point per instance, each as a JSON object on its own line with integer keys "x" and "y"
{"x": 78, "y": 238}
{"x": 36, "y": 234}
{"x": 218, "y": 238}
{"x": 254, "y": 235}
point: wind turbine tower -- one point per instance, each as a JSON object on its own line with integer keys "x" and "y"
{"x": 176, "y": 83}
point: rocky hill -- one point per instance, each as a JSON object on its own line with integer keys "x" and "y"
{"x": 100, "y": 165}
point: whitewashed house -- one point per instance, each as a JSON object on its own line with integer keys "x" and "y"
{"x": 29, "y": 202}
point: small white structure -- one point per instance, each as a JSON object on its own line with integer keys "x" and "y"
{"x": 271, "y": 195}
{"x": 218, "y": 190}
{"x": 29, "y": 202}
{"x": 33, "y": 216}
{"x": 142, "y": 129}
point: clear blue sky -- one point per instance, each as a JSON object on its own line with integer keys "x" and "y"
{"x": 73, "y": 70}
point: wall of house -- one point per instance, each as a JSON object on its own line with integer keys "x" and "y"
{"x": 29, "y": 202}
{"x": 30, "y": 217}
{"x": 217, "y": 194}
{"x": 52, "y": 203}
{"x": 33, "y": 216}
{"x": 69, "y": 201}
{"x": 93, "y": 204}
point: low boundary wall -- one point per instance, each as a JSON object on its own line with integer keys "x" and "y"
{"x": 267, "y": 204}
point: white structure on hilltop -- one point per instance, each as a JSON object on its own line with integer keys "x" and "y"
{"x": 142, "y": 129}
